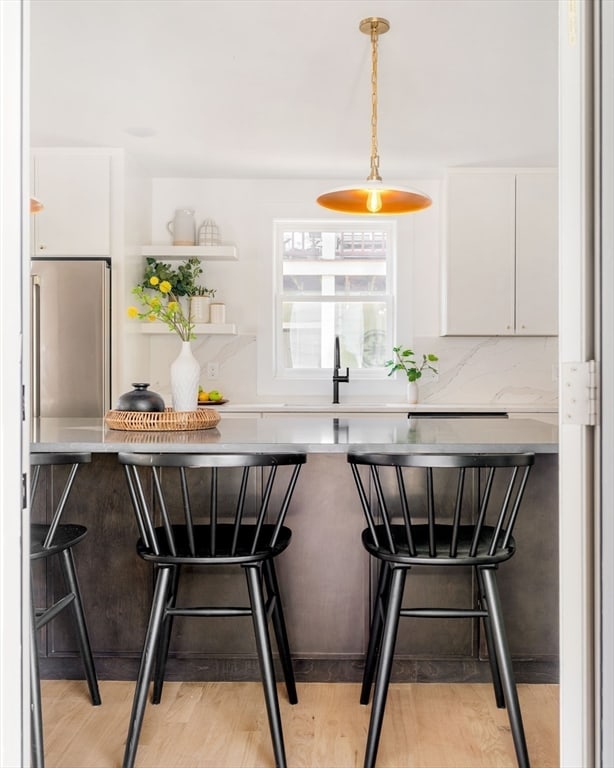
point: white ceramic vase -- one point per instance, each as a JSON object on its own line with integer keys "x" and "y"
{"x": 185, "y": 375}
{"x": 412, "y": 391}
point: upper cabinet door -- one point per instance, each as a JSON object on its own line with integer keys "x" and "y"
{"x": 75, "y": 190}
{"x": 501, "y": 260}
{"x": 537, "y": 254}
{"x": 479, "y": 259}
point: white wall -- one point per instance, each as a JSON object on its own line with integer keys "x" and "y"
{"x": 134, "y": 209}
{"x": 472, "y": 370}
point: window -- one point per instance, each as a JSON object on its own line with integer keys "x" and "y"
{"x": 333, "y": 279}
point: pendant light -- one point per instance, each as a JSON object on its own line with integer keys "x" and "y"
{"x": 373, "y": 196}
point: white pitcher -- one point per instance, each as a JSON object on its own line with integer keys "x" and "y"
{"x": 183, "y": 227}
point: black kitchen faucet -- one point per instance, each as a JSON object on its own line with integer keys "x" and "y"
{"x": 338, "y": 377}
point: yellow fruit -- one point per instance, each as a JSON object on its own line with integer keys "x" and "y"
{"x": 203, "y": 396}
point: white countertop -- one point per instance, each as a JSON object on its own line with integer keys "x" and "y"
{"x": 312, "y": 434}
{"x": 389, "y": 408}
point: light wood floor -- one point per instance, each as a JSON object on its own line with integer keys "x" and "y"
{"x": 224, "y": 725}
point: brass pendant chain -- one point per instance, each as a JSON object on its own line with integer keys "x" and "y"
{"x": 374, "y": 175}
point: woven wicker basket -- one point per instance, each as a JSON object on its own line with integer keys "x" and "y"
{"x": 164, "y": 421}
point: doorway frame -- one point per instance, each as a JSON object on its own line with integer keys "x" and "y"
{"x": 580, "y": 697}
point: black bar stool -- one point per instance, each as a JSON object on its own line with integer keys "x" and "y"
{"x": 203, "y": 510}
{"x": 47, "y": 541}
{"x": 442, "y": 511}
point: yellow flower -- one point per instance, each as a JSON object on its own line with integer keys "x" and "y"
{"x": 153, "y": 280}
{"x": 163, "y": 306}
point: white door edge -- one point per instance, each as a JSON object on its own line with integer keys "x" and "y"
{"x": 576, "y": 344}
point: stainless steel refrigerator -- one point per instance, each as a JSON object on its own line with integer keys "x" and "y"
{"x": 71, "y": 337}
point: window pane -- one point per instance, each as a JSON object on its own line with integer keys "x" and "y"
{"x": 302, "y": 284}
{"x": 309, "y": 330}
{"x": 302, "y": 245}
{"x": 316, "y": 245}
{"x": 334, "y": 278}
{"x": 361, "y": 245}
{"x": 363, "y": 284}
{"x": 334, "y": 263}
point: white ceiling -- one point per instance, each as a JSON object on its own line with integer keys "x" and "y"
{"x": 281, "y": 88}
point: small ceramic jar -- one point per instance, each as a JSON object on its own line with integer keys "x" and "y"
{"x": 217, "y": 313}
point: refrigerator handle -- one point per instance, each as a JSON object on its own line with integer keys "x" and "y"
{"x": 106, "y": 325}
{"x": 35, "y": 378}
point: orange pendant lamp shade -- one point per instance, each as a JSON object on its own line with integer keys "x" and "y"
{"x": 373, "y": 197}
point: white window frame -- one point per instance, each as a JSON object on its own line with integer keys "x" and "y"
{"x": 388, "y": 298}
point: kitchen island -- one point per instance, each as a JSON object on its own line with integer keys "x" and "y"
{"x": 322, "y": 434}
{"x": 326, "y": 576}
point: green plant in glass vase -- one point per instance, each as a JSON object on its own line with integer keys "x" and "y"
{"x": 405, "y": 360}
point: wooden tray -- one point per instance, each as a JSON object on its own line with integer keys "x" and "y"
{"x": 162, "y": 421}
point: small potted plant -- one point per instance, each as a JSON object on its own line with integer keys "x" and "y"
{"x": 405, "y": 360}
{"x": 200, "y": 302}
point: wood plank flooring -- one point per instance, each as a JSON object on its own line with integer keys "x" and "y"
{"x": 224, "y": 725}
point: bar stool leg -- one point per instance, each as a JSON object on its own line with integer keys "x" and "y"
{"x": 36, "y": 713}
{"x": 375, "y": 632}
{"x": 147, "y": 662}
{"x": 279, "y": 626}
{"x": 505, "y": 666}
{"x": 263, "y": 645}
{"x": 492, "y": 654}
{"x": 165, "y": 639}
{"x": 70, "y": 576}
{"x": 382, "y": 680}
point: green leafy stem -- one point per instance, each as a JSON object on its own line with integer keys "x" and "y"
{"x": 404, "y": 360}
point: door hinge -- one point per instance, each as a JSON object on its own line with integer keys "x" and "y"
{"x": 579, "y": 393}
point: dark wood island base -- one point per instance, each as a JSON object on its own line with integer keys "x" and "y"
{"x": 326, "y": 575}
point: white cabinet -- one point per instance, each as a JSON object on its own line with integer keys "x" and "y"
{"x": 501, "y": 261}
{"x": 537, "y": 254}
{"x": 75, "y": 190}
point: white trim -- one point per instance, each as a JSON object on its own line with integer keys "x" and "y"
{"x": 604, "y": 34}
{"x": 576, "y": 325}
{"x": 14, "y": 582}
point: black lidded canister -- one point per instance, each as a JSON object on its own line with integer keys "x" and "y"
{"x": 140, "y": 399}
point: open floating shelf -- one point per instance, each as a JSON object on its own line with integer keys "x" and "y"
{"x": 157, "y": 327}
{"x": 211, "y": 252}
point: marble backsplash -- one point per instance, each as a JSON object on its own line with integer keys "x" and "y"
{"x": 472, "y": 370}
